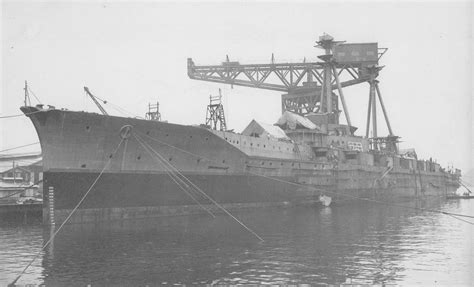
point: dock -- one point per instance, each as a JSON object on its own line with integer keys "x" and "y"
{"x": 21, "y": 211}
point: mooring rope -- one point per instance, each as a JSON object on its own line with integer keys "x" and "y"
{"x": 324, "y": 190}
{"x": 176, "y": 170}
{"x": 458, "y": 218}
{"x": 215, "y": 202}
{"x": 464, "y": 184}
{"x": 69, "y": 216}
{"x": 20, "y": 115}
{"x": 175, "y": 180}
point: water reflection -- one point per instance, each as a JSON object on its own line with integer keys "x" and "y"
{"x": 363, "y": 244}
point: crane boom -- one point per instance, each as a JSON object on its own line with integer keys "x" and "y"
{"x": 283, "y": 77}
{"x": 103, "y": 111}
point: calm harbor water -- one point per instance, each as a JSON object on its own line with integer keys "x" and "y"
{"x": 361, "y": 243}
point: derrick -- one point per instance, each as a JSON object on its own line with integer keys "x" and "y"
{"x": 96, "y": 102}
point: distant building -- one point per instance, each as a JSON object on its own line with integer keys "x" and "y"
{"x": 20, "y": 180}
{"x": 32, "y": 173}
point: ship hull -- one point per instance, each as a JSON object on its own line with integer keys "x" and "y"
{"x": 151, "y": 171}
{"x": 125, "y": 196}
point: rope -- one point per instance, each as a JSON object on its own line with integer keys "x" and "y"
{"x": 323, "y": 190}
{"x": 19, "y": 115}
{"x": 216, "y": 203}
{"x": 463, "y": 183}
{"x": 469, "y": 222}
{"x": 68, "y": 217}
{"x": 117, "y": 107}
{"x": 18, "y": 147}
{"x": 176, "y": 170}
{"x": 176, "y": 179}
{"x": 31, "y": 91}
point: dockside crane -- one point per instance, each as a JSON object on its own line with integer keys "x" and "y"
{"x": 310, "y": 87}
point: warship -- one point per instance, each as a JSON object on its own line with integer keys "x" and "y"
{"x": 136, "y": 168}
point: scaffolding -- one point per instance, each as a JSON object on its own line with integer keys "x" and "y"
{"x": 153, "y": 113}
{"x": 215, "y": 113}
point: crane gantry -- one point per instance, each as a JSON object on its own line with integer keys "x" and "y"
{"x": 309, "y": 87}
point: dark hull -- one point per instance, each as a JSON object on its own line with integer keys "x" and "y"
{"x": 120, "y": 196}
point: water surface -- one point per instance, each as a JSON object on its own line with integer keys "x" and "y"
{"x": 359, "y": 243}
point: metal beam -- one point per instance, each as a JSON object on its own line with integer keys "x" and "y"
{"x": 383, "y": 108}
{"x": 288, "y": 76}
{"x": 369, "y": 108}
{"x": 374, "y": 109}
{"x": 327, "y": 71}
{"x": 341, "y": 95}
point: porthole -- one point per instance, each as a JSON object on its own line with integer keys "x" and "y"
{"x": 264, "y": 146}
{"x": 190, "y": 137}
{"x": 148, "y": 132}
{"x": 263, "y": 162}
{"x": 270, "y": 163}
{"x": 83, "y": 165}
{"x": 88, "y": 128}
{"x": 110, "y": 155}
{"x": 170, "y": 159}
{"x": 281, "y": 163}
{"x": 237, "y": 142}
{"x": 223, "y": 161}
{"x": 251, "y": 144}
{"x": 166, "y": 135}
{"x": 198, "y": 160}
{"x": 139, "y": 157}
{"x": 207, "y": 138}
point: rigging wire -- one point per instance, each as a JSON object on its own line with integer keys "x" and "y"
{"x": 69, "y": 215}
{"x": 328, "y": 191}
{"x": 19, "y": 147}
{"x": 34, "y": 95}
{"x": 175, "y": 180}
{"x": 215, "y": 202}
{"x": 117, "y": 107}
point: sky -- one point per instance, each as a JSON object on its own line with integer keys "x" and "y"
{"x": 134, "y": 53}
